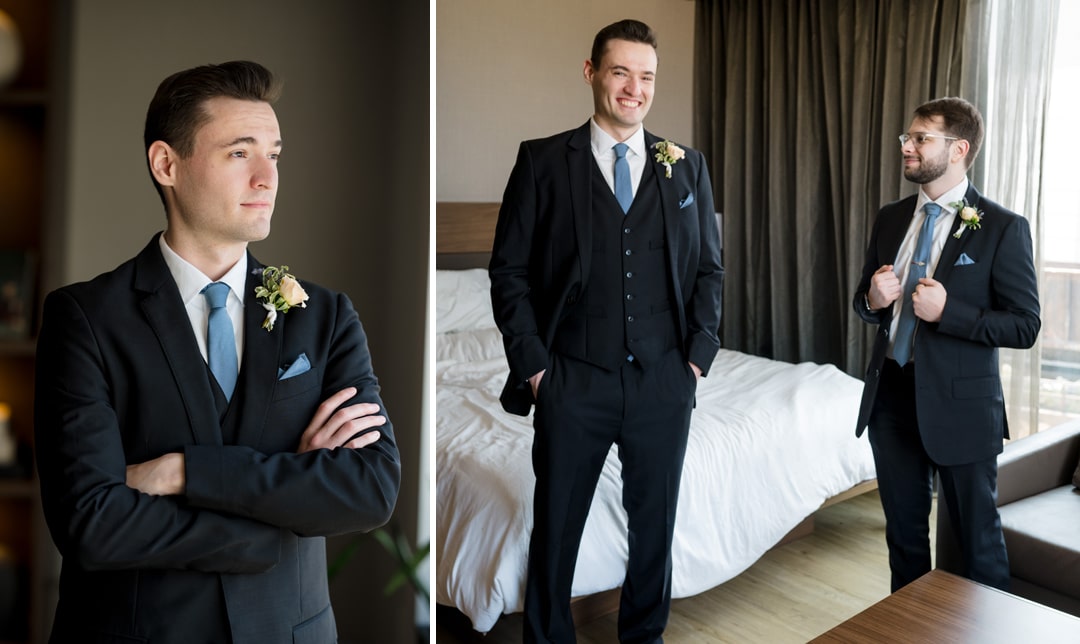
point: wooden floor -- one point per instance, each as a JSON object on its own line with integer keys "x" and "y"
{"x": 793, "y": 594}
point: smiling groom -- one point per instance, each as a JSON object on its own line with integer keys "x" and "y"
{"x": 193, "y": 454}
{"x": 606, "y": 285}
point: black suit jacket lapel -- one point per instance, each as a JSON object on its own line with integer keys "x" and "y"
{"x": 262, "y": 356}
{"x": 669, "y": 192}
{"x": 891, "y": 235}
{"x": 895, "y": 228}
{"x": 167, "y": 316}
{"x": 669, "y": 208}
{"x": 578, "y": 159}
{"x": 954, "y": 246}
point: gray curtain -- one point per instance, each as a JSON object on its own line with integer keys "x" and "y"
{"x": 798, "y": 104}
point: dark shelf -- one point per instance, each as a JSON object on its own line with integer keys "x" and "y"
{"x": 17, "y": 488}
{"x": 30, "y": 150}
{"x": 23, "y": 97}
{"x": 24, "y": 348}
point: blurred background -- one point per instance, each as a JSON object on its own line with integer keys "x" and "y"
{"x": 352, "y": 214}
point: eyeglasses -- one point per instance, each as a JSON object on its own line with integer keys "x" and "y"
{"x": 922, "y": 138}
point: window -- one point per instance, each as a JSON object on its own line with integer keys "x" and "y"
{"x": 1059, "y": 241}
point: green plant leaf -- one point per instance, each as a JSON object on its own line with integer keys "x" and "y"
{"x": 398, "y": 546}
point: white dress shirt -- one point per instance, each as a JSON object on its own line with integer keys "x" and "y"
{"x": 942, "y": 229}
{"x": 191, "y": 281}
{"x": 602, "y": 149}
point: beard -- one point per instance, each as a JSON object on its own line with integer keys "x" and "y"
{"x": 928, "y": 169}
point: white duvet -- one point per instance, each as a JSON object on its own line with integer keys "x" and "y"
{"x": 769, "y": 443}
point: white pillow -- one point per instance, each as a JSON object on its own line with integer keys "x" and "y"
{"x": 463, "y": 301}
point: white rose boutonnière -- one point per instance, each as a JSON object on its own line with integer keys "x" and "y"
{"x": 668, "y": 155}
{"x": 281, "y": 292}
{"x": 970, "y": 217}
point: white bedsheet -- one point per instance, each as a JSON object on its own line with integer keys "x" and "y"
{"x": 769, "y": 443}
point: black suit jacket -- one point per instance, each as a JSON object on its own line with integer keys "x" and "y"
{"x": 241, "y": 555}
{"x": 541, "y": 257}
{"x": 991, "y": 302}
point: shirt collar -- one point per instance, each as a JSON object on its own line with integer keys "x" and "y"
{"x": 602, "y": 142}
{"x": 191, "y": 281}
{"x": 954, "y": 194}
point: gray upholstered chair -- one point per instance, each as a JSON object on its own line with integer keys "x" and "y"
{"x": 1040, "y": 515}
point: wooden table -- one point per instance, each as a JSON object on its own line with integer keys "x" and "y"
{"x": 941, "y": 607}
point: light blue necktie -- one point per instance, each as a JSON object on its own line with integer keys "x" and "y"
{"x": 624, "y": 192}
{"x": 905, "y": 327}
{"x": 221, "y": 338}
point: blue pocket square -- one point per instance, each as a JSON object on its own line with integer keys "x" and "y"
{"x": 299, "y": 366}
{"x": 964, "y": 260}
{"x": 687, "y": 200}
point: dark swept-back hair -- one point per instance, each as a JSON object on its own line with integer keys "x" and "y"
{"x": 632, "y": 30}
{"x": 177, "y": 110}
{"x": 962, "y": 120}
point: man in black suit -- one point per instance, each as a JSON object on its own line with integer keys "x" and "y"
{"x": 948, "y": 278}
{"x": 194, "y": 454}
{"x": 606, "y": 284}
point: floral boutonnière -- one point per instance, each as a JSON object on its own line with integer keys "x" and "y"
{"x": 970, "y": 217}
{"x": 668, "y": 154}
{"x": 281, "y": 292}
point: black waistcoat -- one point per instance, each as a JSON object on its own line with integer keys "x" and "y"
{"x": 227, "y": 415}
{"x": 626, "y": 307}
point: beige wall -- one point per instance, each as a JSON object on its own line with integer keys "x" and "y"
{"x": 512, "y": 70}
{"x": 353, "y": 204}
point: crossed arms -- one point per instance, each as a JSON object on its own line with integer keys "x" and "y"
{"x": 237, "y": 502}
{"x": 333, "y": 426}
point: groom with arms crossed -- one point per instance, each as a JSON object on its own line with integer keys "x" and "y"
{"x": 193, "y": 455}
{"x": 948, "y": 279}
{"x": 606, "y": 284}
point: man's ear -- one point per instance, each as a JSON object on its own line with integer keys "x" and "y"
{"x": 162, "y": 159}
{"x": 961, "y": 149}
{"x": 588, "y": 71}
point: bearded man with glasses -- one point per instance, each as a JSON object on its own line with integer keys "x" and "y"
{"x": 949, "y": 277}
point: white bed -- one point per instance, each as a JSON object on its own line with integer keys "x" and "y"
{"x": 769, "y": 443}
